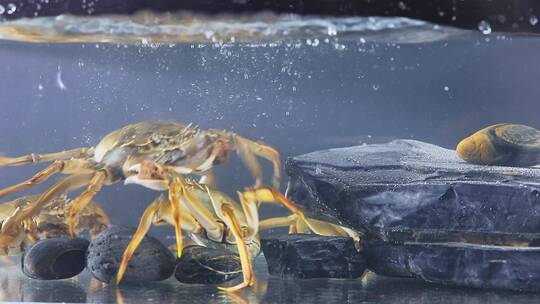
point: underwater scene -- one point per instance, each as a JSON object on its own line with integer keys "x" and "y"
{"x": 267, "y": 158}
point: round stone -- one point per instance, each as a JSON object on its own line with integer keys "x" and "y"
{"x": 152, "y": 261}
{"x": 202, "y": 265}
{"x": 55, "y": 258}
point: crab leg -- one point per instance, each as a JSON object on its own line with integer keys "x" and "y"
{"x": 10, "y": 225}
{"x": 251, "y": 212}
{"x": 156, "y": 177}
{"x": 318, "y": 227}
{"x": 206, "y": 219}
{"x": 248, "y": 149}
{"x": 93, "y": 208}
{"x": 179, "y": 195}
{"x": 278, "y": 222}
{"x": 77, "y": 166}
{"x": 144, "y": 226}
{"x": 159, "y": 210}
{"x": 324, "y": 228}
{"x": 175, "y": 190}
{"x": 34, "y": 158}
{"x": 293, "y": 221}
{"x": 226, "y": 212}
{"x": 231, "y": 221}
{"x": 208, "y": 179}
{"x": 269, "y": 195}
{"x": 296, "y": 225}
{"x": 251, "y": 162}
{"x": 34, "y": 180}
{"x": 299, "y": 226}
{"x": 82, "y": 200}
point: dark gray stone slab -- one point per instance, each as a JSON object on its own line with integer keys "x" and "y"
{"x": 481, "y": 266}
{"x": 306, "y": 256}
{"x": 203, "y": 265}
{"x": 408, "y": 190}
{"x": 152, "y": 261}
{"x": 55, "y": 258}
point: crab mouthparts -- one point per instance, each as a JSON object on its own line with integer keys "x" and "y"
{"x": 147, "y": 175}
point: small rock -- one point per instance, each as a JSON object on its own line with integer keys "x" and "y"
{"x": 152, "y": 261}
{"x": 55, "y": 258}
{"x": 203, "y": 265}
{"x": 308, "y": 256}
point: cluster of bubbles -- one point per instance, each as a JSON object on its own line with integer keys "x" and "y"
{"x": 156, "y": 28}
{"x": 485, "y": 28}
{"x": 9, "y": 9}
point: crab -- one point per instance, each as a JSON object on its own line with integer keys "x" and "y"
{"x": 47, "y": 224}
{"x": 215, "y": 220}
{"x": 180, "y": 148}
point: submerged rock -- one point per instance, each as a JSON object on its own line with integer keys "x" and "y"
{"x": 499, "y": 267}
{"x": 308, "y": 256}
{"x": 55, "y": 258}
{"x": 203, "y": 265}
{"x": 152, "y": 261}
{"x": 413, "y": 191}
{"x": 425, "y": 213}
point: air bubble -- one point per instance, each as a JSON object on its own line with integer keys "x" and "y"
{"x": 533, "y": 20}
{"x": 11, "y": 8}
{"x": 2, "y": 9}
{"x": 332, "y": 31}
{"x": 484, "y": 27}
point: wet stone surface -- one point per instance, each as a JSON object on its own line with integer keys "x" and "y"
{"x": 55, "y": 258}
{"x": 152, "y": 261}
{"x": 480, "y": 266}
{"x": 426, "y": 213}
{"x": 202, "y": 265}
{"x": 408, "y": 190}
{"x": 308, "y": 256}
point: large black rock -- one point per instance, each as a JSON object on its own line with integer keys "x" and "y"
{"x": 483, "y": 266}
{"x": 408, "y": 190}
{"x": 308, "y": 256}
{"x": 427, "y": 214}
